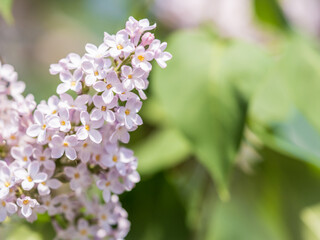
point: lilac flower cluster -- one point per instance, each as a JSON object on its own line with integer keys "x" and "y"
{"x": 56, "y": 157}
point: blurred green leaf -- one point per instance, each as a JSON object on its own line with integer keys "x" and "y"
{"x": 6, "y": 10}
{"x": 23, "y": 232}
{"x": 243, "y": 64}
{"x": 155, "y": 210}
{"x": 268, "y": 204}
{"x": 269, "y": 12}
{"x": 205, "y": 91}
{"x": 311, "y": 219}
{"x": 285, "y": 111}
{"x": 163, "y": 149}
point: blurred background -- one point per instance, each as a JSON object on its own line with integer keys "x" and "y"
{"x": 230, "y": 146}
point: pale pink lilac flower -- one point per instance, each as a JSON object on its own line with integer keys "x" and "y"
{"x": 85, "y": 231}
{"x": 128, "y": 114}
{"x": 50, "y": 108}
{"x": 7, "y": 73}
{"x": 31, "y": 176}
{"x": 142, "y": 59}
{"x": 80, "y": 178}
{"x": 44, "y": 158}
{"x": 119, "y": 44}
{"x": 51, "y": 204}
{"x": 70, "y": 81}
{"x": 118, "y": 157}
{"x": 27, "y": 205}
{"x": 135, "y": 28}
{"x": 6, "y": 181}
{"x": 59, "y": 146}
{"x": 132, "y": 78}
{"x": 38, "y": 209}
{"x": 78, "y": 104}
{"x": 85, "y": 150}
{"x": 110, "y": 185}
{"x": 22, "y": 154}
{"x": 120, "y": 134}
{"x": 65, "y": 124}
{"x": 94, "y": 70}
{"x": 44, "y": 188}
{"x": 7, "y": 208}
{"x": 95, "y": 52}
{"x": 89, "y": 128}
{"x": 60, "y": 67}
{"x": 42, "y": 123}
{"x": 110, "y": 88}
{"x": 159, "y": 55}
{"x": 66, "y": 207}
{"x": 102, "y": 109}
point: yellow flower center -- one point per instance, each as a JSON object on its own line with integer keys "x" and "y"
{"x": 73, "y": 83}
{"x": 47, "y": 203}
{"x": 98, "y": 157}
{"x": 104, "y": 217}
{"x": 87, "y": 127}
{"x": 65, "y": 144}
{"x": 141, "y": 58}
{"x": 43, "y": 183}
{"x": 42, "y": 158}
{"x": 103, "y": 108}
{"x": 96, "y": 73}
{"x": 119, "y": 47}
{"x": 115, "y": 158}
{"x": 54, "y": 111}
{"x": 25, "y": 202}
{"x": 130, "y": 76}
{"x": 13, "y": 137}
{"x": 25, "y": 158}
{"x": 76, "y": 175}
{"x": 83, "y": 232}
{"x": 108, "y": 184}
{"x": 127, "y": 111}
{"x": 29, "y": 179}
{"x": 109, "y": 86}
{"x": 3, "y": 203}
{"x": 85, "y": 145}
{"x": 6, "y": 184}
{"x": 63, "y": 123}
{"x": 44, "y": 126}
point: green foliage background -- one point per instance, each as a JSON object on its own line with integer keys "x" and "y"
{"x": 230, "y": 148}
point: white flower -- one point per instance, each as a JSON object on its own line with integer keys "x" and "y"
{"x": 31, "y": 176}
{"x": 27, "y": 204}
{"x": 79, "y": 176}
{"x": 39, "y": 129}
{"x": 6, "y": 209}
{"x": 89, "y": 128}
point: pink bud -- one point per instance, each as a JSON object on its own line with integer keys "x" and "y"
{"x": 147, "y": 39}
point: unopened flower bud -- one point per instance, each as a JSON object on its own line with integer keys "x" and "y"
{"x": 147, "y": 38}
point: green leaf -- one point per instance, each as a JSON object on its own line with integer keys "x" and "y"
{"x": 155, "y": 211}
{"x": 267, "y": 204}
{"x": 270, "y": 13}
{"x": 204, "y": 92}
{"x": 163, "y": 149}
{"x": 311, "y": 219}
{"x": 6, "y": 10}
{"x": 23, "y": 232}
{"x": 285, "y": 112}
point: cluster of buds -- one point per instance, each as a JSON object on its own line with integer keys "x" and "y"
{"x": 65, "y": 157}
